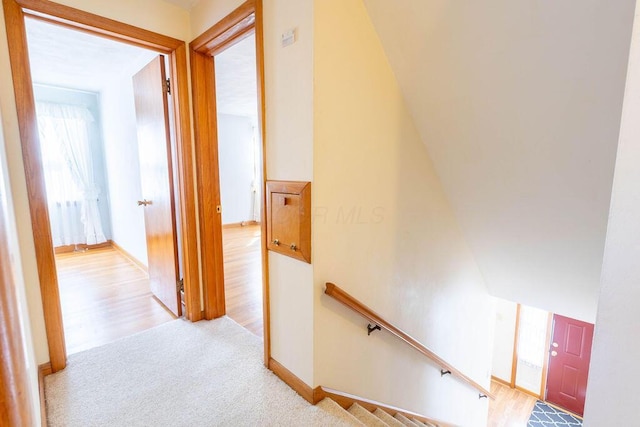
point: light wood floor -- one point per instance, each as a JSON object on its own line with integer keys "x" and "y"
{"x": 104, "y": 297}
{"x": 243, "y": 276}
{"x": 511, "y": 408}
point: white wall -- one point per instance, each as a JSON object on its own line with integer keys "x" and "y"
{"x": 503, "y": 339}
{"x": 289, "y": 155}
{"x": 7, "y": 215}
{"x": 612, "y": 397}
{"x": 154, "y": 15}
{"x": 519, "y": 104}
{"x": 122, "y": 165}
{"x": 236, "y": 154}
{"x": 401, "y": 251}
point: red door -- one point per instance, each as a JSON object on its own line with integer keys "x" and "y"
{"x": 569, "y": 358}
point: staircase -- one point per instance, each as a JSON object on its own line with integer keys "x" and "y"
{"x": 356, "y": 415}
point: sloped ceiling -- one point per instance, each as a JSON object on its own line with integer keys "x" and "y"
{"x": 519, "y": 105}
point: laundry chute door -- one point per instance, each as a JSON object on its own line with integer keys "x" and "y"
{"x": 154, "y": 147}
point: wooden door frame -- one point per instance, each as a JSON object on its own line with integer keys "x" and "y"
{"x": 15, "y": 12}
{"x": 15, "y": 404}
{"x": 230, "y": 30}
{"x": 545, "y": 364}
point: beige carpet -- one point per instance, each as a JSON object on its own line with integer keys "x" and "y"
{"x": 179, "y": 374}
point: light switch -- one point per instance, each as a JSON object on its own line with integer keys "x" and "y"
{"x": 289, "y": 37}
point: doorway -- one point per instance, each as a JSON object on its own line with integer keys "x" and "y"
{"x": 15, "y": 12}
{"x": 87, "y": 93}
{"x": 240, "y": 168}
{"x": 243, "y": 23}
{"x": 542, "y": 354}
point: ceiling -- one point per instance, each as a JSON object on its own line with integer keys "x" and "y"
{"x": 519, "y": 106}
{"x": 77, "y": 60}
{"x": 185, "y": 4}
{"x": 236, "y": 84}
{"x": 71, "y": 59}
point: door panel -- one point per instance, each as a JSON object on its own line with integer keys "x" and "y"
{"x": 154, "y": 146}
{"x": 569, "y": 358}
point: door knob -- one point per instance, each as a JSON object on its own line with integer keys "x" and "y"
{"x": 144, "y": 202}
{"x": 554, "y": 353}
{"x": 555, "y": 344}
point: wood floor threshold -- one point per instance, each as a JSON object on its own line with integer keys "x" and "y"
{"x": 43, "y": 370}
{"x": 292, "y": 381}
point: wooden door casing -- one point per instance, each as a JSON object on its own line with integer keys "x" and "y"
{"x": 15, "y": 403}
{"x": 14, "y": 13}
{"x": 569, "y": 357}
{"x": 230, "y": 29}
{"x": 154, "y": 147}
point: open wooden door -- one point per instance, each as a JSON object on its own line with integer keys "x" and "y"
{"x": 154, "y": 146}
{"x": 569, "y": 358}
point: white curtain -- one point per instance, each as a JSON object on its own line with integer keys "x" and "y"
{"x": 68, "y": 166}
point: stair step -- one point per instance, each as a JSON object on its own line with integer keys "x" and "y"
{"x": 337, "y": 411}
{"x": 385, "y": 417}
{"x": 404, "y": 420}
{"x": 366, "y": 417}
{"x": 418, "y": 423}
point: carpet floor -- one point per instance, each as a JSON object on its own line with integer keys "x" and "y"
{"x": 208, "y": 373}
{"x": 544, "y": 415}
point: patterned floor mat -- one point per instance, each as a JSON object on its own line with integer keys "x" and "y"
{"x": 544, "y": 415}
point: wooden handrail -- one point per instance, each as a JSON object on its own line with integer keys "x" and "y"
{"x": 346, "y": 299}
